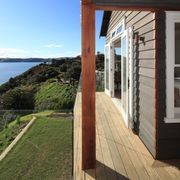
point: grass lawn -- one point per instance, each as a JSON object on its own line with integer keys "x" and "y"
{"x": 8, "y": 134}
{"x": 45, "y": 152}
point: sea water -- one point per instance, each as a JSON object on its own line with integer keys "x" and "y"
{"x": 13, "y": 69}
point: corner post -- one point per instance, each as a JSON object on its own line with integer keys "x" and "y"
{"x": 88, "y": 85}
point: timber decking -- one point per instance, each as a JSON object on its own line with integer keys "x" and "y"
{"x": 119, "y": 153}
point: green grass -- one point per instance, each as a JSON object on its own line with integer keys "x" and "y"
{"x": 8, "y": 134}
{"x": 45, "y": 152}
{"x": 39, "y": 114}
{"x": 55, "y": 96}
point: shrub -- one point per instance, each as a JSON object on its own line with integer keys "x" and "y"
{"x": 18, "y": 98}
{"x": 55, "y": 96}
{"x": 18, "y": 120}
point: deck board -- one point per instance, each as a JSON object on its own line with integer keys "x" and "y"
{"x": 120, "y": 154}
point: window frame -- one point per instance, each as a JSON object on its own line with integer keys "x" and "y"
{"x": 172, "y": 17}
{"x": 107, "y": 90}
{"x": 114, "y": 33}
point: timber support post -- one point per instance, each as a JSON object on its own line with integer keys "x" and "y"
{"x": 88, "y": 85}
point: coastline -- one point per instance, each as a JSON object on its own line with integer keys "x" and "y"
{"x": 12, "y": 69}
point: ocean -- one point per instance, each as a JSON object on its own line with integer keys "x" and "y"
{"x": 12, "y": 69}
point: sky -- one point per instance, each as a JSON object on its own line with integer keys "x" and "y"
{"x": 42, "y": 28}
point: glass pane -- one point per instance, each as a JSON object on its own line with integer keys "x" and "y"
{"x": 119, "y": 29}
{"x": 107, "y": 68}
{"x": 117, "y": 59}
{"x": 124, "y": 72}
{"x": 113, "y": 34}
{"x": 177, "y": 87}
{"x": 177, "y": 43}
{"x": 124, "y": 46}
{"x": 124, "y": 83}
{"x": 117, "y": 69}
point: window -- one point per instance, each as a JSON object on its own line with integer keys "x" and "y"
{"x": 118, "y": 30}
{"x": 177, "y": 67}
{"x": 113, "y": 34}
{"x": 124, "y": 72}
{"x": 172, "y": 67}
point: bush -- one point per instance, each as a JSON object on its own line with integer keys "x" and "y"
{"x": 6, "y": 118}
{"x": 18, "y": 120}
{"x": 18, "y": 98}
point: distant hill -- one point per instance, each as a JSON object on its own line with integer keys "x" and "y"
{"x": 43, "y": 87}
{"x": 23, "y": 60}
{"x": 43, "y": 60}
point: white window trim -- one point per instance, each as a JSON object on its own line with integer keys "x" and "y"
{"x": 171, "y": 18}
{"x": 130, "y": 49}
{"x": 111, "y": 70}
{"x": 115, "y": 30}
{"x": 107, "y": 91}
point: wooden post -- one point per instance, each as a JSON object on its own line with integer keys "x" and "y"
{"x": 88, "y": 86}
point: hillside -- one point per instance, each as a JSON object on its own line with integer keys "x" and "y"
{"x": 55, "y": 96}
{"x": 45, "y": 86}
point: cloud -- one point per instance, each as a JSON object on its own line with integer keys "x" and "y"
{"x": 21, "y": 53}
{"x": 53, "y": 46}
{"x": 37, "y": 51}
{"x": 12, "y": 52}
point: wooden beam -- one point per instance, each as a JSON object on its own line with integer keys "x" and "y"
{"x": 88, "y": 87}
{"x": 137, "y": 2}
{"x": 86, "y": 2}
{"x": 135, "y": 8}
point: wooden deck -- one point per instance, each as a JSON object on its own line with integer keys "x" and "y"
{"x": 120, "y": 153}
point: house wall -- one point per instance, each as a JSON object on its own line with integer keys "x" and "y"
{"x": 144, "y": 59}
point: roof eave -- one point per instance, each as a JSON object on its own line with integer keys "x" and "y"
{"x": 105, "y": 23}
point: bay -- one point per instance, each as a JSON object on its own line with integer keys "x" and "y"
{"x": 13, "y": 69}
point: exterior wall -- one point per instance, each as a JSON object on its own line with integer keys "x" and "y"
{"x": 168, "y": 143}
{"x": 144, "y": 59}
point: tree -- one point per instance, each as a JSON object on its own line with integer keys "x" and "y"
{"x": 18, "y": 98}
{"x": 100, "y": 62}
